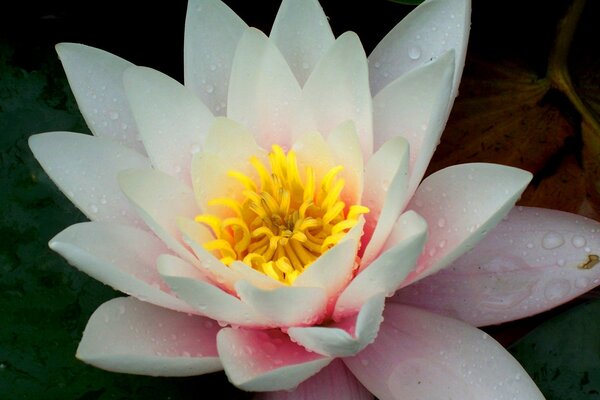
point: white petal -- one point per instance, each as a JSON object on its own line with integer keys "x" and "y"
{"x": 212, "y": 32}
{"x": 85, "y": 168}
{"x": 191, "y": 286}
{"x": 160, "y": 199}
{"x": 386, "y": 273}
{"x": 130, "y": 336}
{"x": 172, "y": 121}
{"x": 429, "y": 31}
{"x": 386, "y": 181}
{"x": 256, "y": 278}
{"x": 261, "y": 360}
{"x": 332, "y": 270}
{"x": 286, "y": 305}
{"x": 303, "y": 35}
{"x": 263, "y": 92}
{"x": 420, "y": 355}
{"x": 344, "y": 338}
{"x": 345, "y": 148}
{"x": 228, "y": 147}
{"x": 416, "y": 106}
{"x": 338, "y": 90}
{"x": 532, "y": 261}
{"x": 120, "y": 256}
{"x": 194, "y": 235}
{"x": 461, "y": 204}
{"x": 96, "y": 78}
{"x": 334, "y": 382}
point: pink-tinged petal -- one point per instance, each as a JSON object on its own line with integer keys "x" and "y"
{"x": 192, "y": 286}
{"x": 96, "y": 78}
{"x": 159, "y": 200}
{"x": 334, "y": 382}
{"x": 120, "y": 256}
{"x": 420, "y": 355}
{"x": 534, "y": 260}
{"x": 332, "y": 270}
{"x": 286, "y": 305}
{"x": 338, "y": 90}
{"x": 130, "y": 336}
{"x": 194, "y": 234}
{"x": 85, "y": 168}
{"x": 265, "y": 360}
{"x": 302, "y": 34}
{"x": 228, "y": 147}
{"x": 461, "y": 204}
{"x": 429, "y": 31}
{"x": 263, "y": 92}
{"x": 346, "y": 337}
{"x": 172, "y": 121}
{"x": 386, "y": 181}
{"x": 212, "y": 33}
{"x": 344, "y": 144}
{"x": 388, "y": 271}
{"x": 416, "y": 106}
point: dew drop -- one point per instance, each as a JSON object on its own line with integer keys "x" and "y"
{"x": 94, "y": 208}
{"x": 582, "y": 282}
{"x": 213, "y": 67}
{"x": 561, "y": 262}
{"x": 552, "y": 240}
{"x": 305, "y": 65}
{"x": 414, "y": 52}
{"x": 441, "y": 222}
{"x": 113, "y": 115}
{"x": 364, "y": 362}
{"x": 194, "y": 148}
{"x": 209, "y": 88}
{"x": 578, "y": 241}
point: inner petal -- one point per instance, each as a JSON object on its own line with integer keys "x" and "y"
{"x": 284, "y": 220}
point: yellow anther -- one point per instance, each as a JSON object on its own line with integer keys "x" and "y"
{"x": 282, "y": 223}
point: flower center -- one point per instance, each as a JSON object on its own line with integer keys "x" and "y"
{"x": 283, "y": 223}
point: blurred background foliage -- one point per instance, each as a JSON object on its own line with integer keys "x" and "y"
{"x": 530, "y": 97}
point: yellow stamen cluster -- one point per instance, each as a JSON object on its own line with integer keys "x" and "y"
{"x": 283, "y": 224}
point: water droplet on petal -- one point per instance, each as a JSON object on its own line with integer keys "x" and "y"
{"x": 578, "y": 241}
{"x": 113, "y": 115}
{"x": 94, "y": 208}
{"x": 414, "y": 52}
{"x": 552, "y": 240}
{"x": 557, "y": 289}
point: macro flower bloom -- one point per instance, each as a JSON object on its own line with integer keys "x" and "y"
{"x": 260, "y": 215}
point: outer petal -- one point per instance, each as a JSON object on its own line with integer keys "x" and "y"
{"x": 346, "y": 337}
{"x": 120, "y": 256}
{"x": 429, "y": 31}
{"x": 127, "y": 335}
{"x": 286, "y": 305}
{"x": 259, "y": 360}
{"x": 212, "y": 32}
{"x": 263, "y": 93}
{"x": 416, "y": 106}
{"x": 388, "y": 271}
{"x": 334, "y": 382}
{"x": 85, "y": 168}
{"x": 303, "y": 35}
{"x": 338, "y": 90}
{"x": 419, "y": 355}
{"x": 461, "y": 204}
{"x": 532, "y": 261}
{"x": 206, "y": 298}
{"x": 96, "y": 78}
{"x": 172, "y": 121}
{"x": 160, "y": 199}
{"x": 386, "y": 181}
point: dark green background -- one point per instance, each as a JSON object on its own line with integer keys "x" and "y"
{"x": 45, "y": 303}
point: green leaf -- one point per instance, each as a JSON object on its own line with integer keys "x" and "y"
{"x": 563, "y": 354}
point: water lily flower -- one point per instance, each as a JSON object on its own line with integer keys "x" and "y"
{"x": 259, "y": 216}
